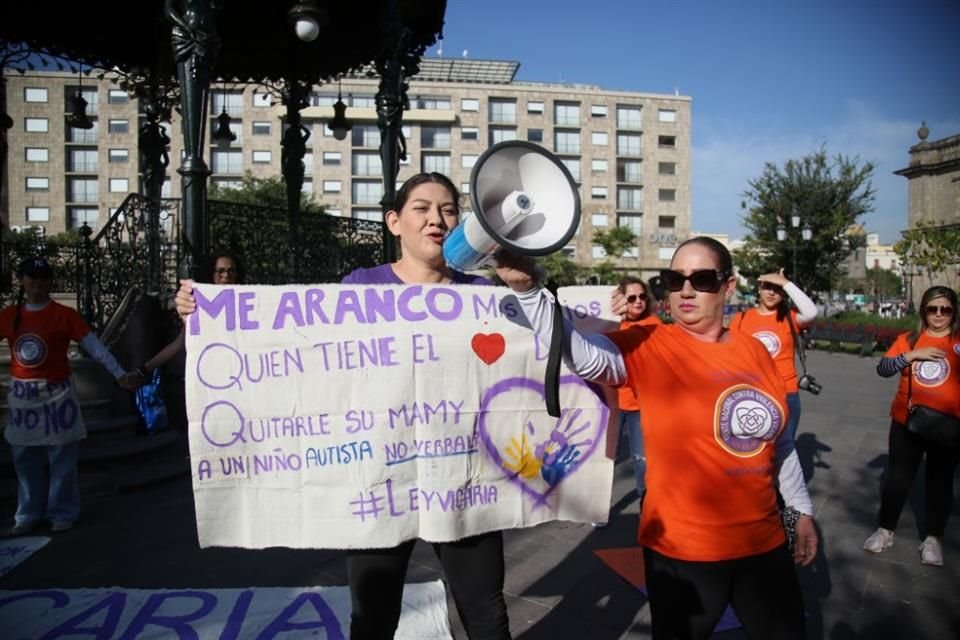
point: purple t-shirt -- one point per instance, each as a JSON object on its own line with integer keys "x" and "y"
{"x": 384, "y": 274}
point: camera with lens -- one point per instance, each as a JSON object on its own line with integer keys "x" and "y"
{"x": 809, "y": 383}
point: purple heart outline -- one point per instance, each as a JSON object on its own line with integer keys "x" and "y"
{"x": 513, "y": 384}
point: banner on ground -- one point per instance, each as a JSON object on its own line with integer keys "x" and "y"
{"x": 334, "y": 416}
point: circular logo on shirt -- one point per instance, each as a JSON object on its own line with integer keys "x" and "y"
{"x": 30, "y": 349}
{"x": 931, "y": 373}
{"x": 770, "y": 340}
{"x": 956, "y": 348}
{"x": 746, "y": 419}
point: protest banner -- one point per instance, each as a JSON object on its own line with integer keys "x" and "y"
{"x": 334, "y": 416}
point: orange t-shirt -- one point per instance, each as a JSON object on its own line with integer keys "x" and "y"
{"x": 711, "y": 414}
{"x": 936, "y": 383}
{"x": 775, "y": 336}
{"x": 39, "y": 347}
{"x": 626, "y": 400}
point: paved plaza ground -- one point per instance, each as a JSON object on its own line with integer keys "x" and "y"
{"x": 556, "y": 586}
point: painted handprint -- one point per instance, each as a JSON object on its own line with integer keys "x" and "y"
{"x": 523, "y": 461}
{"x": 559, "y": 454}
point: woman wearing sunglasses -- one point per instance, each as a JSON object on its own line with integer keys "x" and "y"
{"x": 770, "y": 323}
{"x": 637, "y": 313}
{"x": 714, "y": 414}
{"x": 931, "y": 354}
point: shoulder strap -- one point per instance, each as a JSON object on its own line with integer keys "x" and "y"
{"x": 797, "y": 344}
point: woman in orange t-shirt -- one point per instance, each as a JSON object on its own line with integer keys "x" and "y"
{"x": 931, "y": 356}
{"x": 637, "y": 313}
{"x": 714, "y": 408}
{"x": 769, "y": 322}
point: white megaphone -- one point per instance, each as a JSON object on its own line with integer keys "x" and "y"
{"x": 524, "y": 200}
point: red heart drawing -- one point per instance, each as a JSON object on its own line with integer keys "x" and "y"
{"x": 488, "y": 346}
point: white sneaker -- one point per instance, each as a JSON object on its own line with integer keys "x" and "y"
{"x": 931, "y": 552}
{"x": 879, "y": 541}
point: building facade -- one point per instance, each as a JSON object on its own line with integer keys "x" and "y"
{"x": 628, "y": 152}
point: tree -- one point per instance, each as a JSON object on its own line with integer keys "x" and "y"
{"x": 562, "y": 270}
{"x": 883, "y": 283}
{"x": 829, "y": 195}
{"x": 615, "y": 243}
{"x": 261, "y": 192}
{"x": 931, "y": 245}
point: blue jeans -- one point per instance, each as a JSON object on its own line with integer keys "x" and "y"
{"x": 630, "y": 422}
{"x": 793, "y": 405}
{"x": 47, "y": 483}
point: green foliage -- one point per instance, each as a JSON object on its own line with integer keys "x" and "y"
{"x": 562, "y": 270}
{"x": 615, "y": 241}
{"x": 829, "y": 195}
{"x": 931, "y": 245}
{"x": 883, "y": 282}
{"x": 870, "y": 320}
{"x": 605, "y": 273}
{"x": 261, "y": 192}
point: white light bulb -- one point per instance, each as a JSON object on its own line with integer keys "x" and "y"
{"x": 307, "y": 29}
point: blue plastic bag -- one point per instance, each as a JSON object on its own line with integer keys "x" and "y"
{"x": 150, "y": 404}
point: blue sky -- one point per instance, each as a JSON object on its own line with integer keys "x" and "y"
{"x": 770, "y": 80}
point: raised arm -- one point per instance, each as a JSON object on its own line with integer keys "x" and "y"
{"x": 806, "y": 309}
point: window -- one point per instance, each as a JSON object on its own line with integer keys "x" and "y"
{"x": 534, "y": 107}
{"x": 499, "y": 134}
{"x": 307, "y": 188}
{"x": 632, "y": 222}
{"x": 79, "y": 216}
{"x": 38, "y": 184}
{"x": 31, "y": 94}
{"x": 598, "y": 110}
{"x": 373, "y": 215}
{"x": 667, "y": 115}
{"x": 229, "y": 101}
{"x": 260, "y": 128}
{"x": 87, "y": 93}
{"x": 117, "y": 96}
{"x": 262, "y": 157}
{"x": 364, "y": 135}
{"x": 667, "y": 168}
{"x": 82, "y": 190}
{"x": 629, "y": 171}
{"x": 599, "y": 193}
{"x": 37, "y": 154}
{"x": 666, "y": 253}
{"x": 465, "y": 188}
{"x": 36, "y": 125}
{"x": 629, "y": 198}
{"x": 333, "y": 212}
{"x": 367, "y": 192}
{"x": 569, "y": 251}
{"x": 566, "y": 141}
{"x": 118, "y": 155}
{"x": 308, "y": 162}
{"x": 82, "y": 160}
{"x": 38, "y": 214}
{"x": 83, "y": 136}
{"x": 118, "y": 126}
{"x": 438, "y": 162}
{"x": 502, "y": 111}
{"x": 598, "y": 219}
{"x": 667, "y": 222}
{"x": 262, "y": 100}
{"x": 597, "y": 252}
{"x": 628, "y": 144}
{"x": 535, "y": 135}
{"x": 430, "y": 103}
{"x": 628, "y": 117}
{"x": 119, "y": 185}
{"x": 469, "y": 133}
{"x": 362, "y": 102}
{"x": 598, "y": 166}
{"x": 167, "y": 190}
{"x": 227, "y": 161}
{"x": 467, "y": 160}
{"x": 332, "y": 186}
{"x": 236, "y": 127}
{"x": 667, "y": 195}
{"x": 435, "y": 137}
{"x": 331, "y": 158}
{"x": 566, "y": 114}
{"x": 667, "y": 142}
{"x": 599, "y": 138}
{"x": 220, "y": 183}
{"x": 469, "y": 104}
{"x": 573, "y": 164}
{"x": 367, "y": 164}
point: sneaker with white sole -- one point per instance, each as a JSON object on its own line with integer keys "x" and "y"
{"x": 931, "y": 552}
{"x": 879, "y": 541}
{"x": 58, "y": 527}
{"x": 22, "y": 528}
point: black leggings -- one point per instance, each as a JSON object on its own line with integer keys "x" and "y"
{"x": 474, "y": 570}
{"x": 687, "y": 599}
{"x": 906, "y": 452}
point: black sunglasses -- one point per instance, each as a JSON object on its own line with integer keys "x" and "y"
{"x": 704, "y": 280}
{"x": 939, "y": 310}
{"x": 636, "y": 296}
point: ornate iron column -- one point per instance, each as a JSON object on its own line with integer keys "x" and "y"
{"x": 154, "y": 159}
{"x": 294, "y": 147}
{"x": 195, "y": 47}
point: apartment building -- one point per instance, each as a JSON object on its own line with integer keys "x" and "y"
{"x": 628, "y": 152}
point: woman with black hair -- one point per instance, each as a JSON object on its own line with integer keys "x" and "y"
{"x": 930, "y": 355}
{"x": 773, "y": 323}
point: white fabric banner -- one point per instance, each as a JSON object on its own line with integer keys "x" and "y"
{"x": 336, "y": 416}
{"x": 13, "y": 551}
{"x": 44, "y": 413}
{"x": 209, "y": 614}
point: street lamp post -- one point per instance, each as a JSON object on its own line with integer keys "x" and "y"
{"x": 805, "y": 232}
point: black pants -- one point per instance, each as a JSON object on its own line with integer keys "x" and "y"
{"x": 906, "y": 452}
{"x": 687, "y": 599}
{"x": 473, "y": 568}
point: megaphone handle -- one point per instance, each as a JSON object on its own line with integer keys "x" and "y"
{"x": 551, "y": 382}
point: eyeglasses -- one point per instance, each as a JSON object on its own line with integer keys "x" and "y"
{"x": 229, "y": 271}
{"x": 934, "y": 309}
{"x": 703, "y": 280}
{"x": 636, "y": 296}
